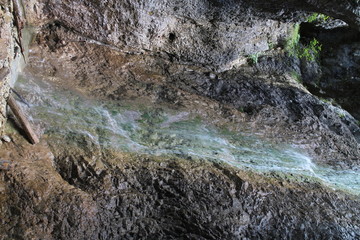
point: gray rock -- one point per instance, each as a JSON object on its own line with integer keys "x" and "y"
{"x": 149, "y": 198}
{"x": 213, "y": 33}
{"x": 141, "y": 197}
{"x": 6, "y": 138}
{"x": 212, "y": 76}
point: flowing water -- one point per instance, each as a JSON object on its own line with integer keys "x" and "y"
{"x": 149, "y": 129}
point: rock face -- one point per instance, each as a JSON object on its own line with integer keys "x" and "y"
{"x": 144, "y": 198}
{"x": 11, "y": 55}
{"x": 223, "y": 60}
{"x": 347, "y": 11}
{"x": 6, "y": 57}
{"x": 336, "y": 76}
{"x": 203, "y": 32}
{"x": 274, "y": 103}
{"x": 213, "y": 33}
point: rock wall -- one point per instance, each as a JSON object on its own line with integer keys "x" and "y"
{"x": 176, "y": 53}
{"x": 6, "y": 56}
{"x": 336, "y": 76}
{"x": 273, "y": 104}
{"x": 203, "y": 32}
{"x": 215, "y": 33}
{"x": 156, "y": 198}
{"x": 12, "y": 21}
{"x": 348, "y": 10}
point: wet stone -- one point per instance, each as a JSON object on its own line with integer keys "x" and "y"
{"x": 6, "y": 138}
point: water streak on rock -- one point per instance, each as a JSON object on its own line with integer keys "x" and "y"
{"x": 155, "y": 130}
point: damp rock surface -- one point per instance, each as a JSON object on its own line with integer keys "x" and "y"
{"x": 140, "y": 197}
{"x": 226, "y": 62}
{"x": 268, "y": 103}
{"x": 213, "y": 33}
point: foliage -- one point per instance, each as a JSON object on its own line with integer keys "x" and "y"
{"x": 254, "y": 58}
{"x": 341, "y": 115}
{"x": 293, "y": 41}
{"x": 328, "y": 101}
{"x": 271, "y": 45}
{"x": 311, "y": 51}
{"x": 317, "y": 17}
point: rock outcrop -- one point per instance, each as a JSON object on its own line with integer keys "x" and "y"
{"x": 336, "y": 76}
{"x": 223, "y": 60}
{"x": 147, "y": 198}
{"x": 6, "y": 57}
{"x": 217, "y": 34}
{"x": 272, "y": 102}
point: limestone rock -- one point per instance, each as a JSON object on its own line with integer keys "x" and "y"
{"x": 6, "y": 138}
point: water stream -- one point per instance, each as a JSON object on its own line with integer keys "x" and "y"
{"x": 146, "y": 129}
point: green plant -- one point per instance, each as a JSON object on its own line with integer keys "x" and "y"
{"x": 318, "y": 17}
{"x": 271, "y": 45}
{"x": 326, "y": 100}
{"x": 311, "y": 51}
{"x": 341, "y": 115}
{"x": 292, "y": 42}
{"x": 254, "y": 58}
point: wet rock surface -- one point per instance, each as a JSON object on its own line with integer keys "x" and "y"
{"x": 272, "y": 103}
{"x": 213, "y": 33}
{"x": 73, "y": 190}
{"x": 200, "y": 32}
{"x": 6, "y": 57}
{"x": 194, "y": 57}
{"x": 140, "y": 197}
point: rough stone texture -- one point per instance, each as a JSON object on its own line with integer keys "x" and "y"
{"x": 275, "y": 105}
{"x": 176, "y": 53}
{"x": 215, "y": 33}
{"x": 201, "y": 32}
{"x": 286, "y": 113}
{"x": 337, "y": 73}
{"x": 347, "y": 10}
{"x": 6, "y": 57}
{"x": 137, "y": 197}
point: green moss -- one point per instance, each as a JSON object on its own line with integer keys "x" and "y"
{"x": 271, "y": 45}
{"x": 152, "y": 117}
{"x": 318, "y": 17}
{"x": 10, "y": 128}
{"x": 253, "y": 59}
{"x": 292, "y": 41}
{"x": 341, "y": 115}
{"x": 311, "y": 51}
{"x": 329, "y": 101}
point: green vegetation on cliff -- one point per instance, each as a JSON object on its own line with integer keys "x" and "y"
{"x": 309, "y": 51}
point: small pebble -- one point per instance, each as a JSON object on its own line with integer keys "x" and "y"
{"x": 212, "y": 76}
{"x": 6, "y": 138}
